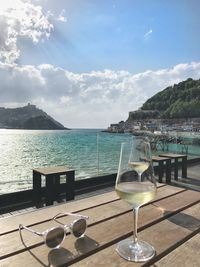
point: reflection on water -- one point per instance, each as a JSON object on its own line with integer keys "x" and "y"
{"x": 23, "y": 150}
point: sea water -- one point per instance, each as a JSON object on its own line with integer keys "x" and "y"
{"x": 89, "y": 152}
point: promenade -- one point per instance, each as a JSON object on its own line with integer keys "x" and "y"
{"x": 191, "y": 182}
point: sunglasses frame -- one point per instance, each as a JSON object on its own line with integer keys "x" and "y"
{"x": 70, "y": 226}
{"x": 44, "y": 234}
{"x": 65, "y": 228}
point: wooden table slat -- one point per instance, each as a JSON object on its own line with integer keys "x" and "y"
{"x": 96, "y": 215}
{"x": 30, "y": 218}
{"x": 166, "y": 223}
{"x": 168, "y": 229}
{"x": 185, "y": 255}
{"x": 107, "y": 255}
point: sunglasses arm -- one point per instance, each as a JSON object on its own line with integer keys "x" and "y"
{"x": 30, "y": 230}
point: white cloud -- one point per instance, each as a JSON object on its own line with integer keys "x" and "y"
{"x": 20, "y": 19}
{"x": 147, "y": 34}
{"x": 62, "y": 16}
{"x": 93, "y": 99}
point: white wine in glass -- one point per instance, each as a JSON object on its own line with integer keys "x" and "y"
{"x": 136, "y": 185}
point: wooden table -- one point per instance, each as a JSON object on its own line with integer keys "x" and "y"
{"x": 161, "y": 168}
{"x": 52, "y": 179}
{"x": 171, "y": 223}
{"x": 176, "y": 157}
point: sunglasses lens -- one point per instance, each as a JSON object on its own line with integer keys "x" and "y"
{"x": 55, "y": 237}
{"x": 79, "y": 227}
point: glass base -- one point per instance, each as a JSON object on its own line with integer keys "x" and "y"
{"x": 138, "y": 252}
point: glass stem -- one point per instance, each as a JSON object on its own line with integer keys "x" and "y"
{"x": 135, "y": 211}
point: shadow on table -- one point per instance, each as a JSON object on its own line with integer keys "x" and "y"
{"x": 184, "y": 220}
{"x": 85, "y": 244}
{"x": 61, "y": 256}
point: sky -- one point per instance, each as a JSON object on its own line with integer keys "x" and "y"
{"x": 87, "y": 63}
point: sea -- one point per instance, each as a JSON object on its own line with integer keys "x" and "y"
{"x": 90, "y": 152}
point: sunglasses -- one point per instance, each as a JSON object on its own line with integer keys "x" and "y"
{"x": 54, "y": 237}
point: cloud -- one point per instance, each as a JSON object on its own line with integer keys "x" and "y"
{"x": 93, "y": 99}
{"x": 20, "y": 19}
{"x": 147, "y": 34}
{"x": 61, "y": 16}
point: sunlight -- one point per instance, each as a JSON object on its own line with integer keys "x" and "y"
{"x": 10, "y": 4}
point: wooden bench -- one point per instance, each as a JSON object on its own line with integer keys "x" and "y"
{"x": 176, "y": 157}
{"x": 52, "y": 179}
{"x": 162, "y": 167}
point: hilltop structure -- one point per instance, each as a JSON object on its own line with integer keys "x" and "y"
{"x": 28, "y": 117}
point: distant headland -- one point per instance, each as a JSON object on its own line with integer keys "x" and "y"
{"x": 176, "y": 108}
{"x": 28, "y": 117}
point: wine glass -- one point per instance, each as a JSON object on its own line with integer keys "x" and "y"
{"x": 136, "y": 185}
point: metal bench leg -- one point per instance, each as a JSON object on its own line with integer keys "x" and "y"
{"x": 160, "y": 171}
{"x": 176, "y": 169}
{"x": 70, "y": 185}
{"x": 168, "y": 171}
{"x": 50, "y": 191}
{"x": 37, "y": 190}
{"x": 57, "y": 187}
{"x": 184, "y": 167}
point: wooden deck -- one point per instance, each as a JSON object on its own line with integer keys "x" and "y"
{"x": 171, "y": 223}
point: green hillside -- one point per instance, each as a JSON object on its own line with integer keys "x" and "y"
{"x": 179, "y": 101}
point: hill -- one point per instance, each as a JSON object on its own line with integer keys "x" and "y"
{"x": 181, "y": 100}
{"x": 28, "y": 117}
